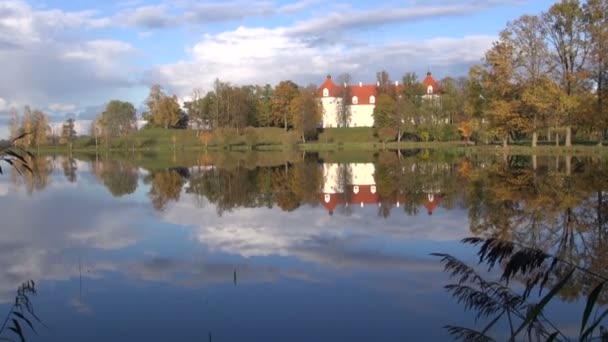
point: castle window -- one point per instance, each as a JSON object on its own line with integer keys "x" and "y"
{"x": 355, "y": 100}
{"x": 325, "y": 92}
{"x": 356, "y": 189}
{"x": 429, "y": 90}
{"x": 373, "y": 189}
{"x": 372, "y": 99}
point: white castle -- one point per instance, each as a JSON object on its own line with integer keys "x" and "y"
{"x": 362, "y": 101}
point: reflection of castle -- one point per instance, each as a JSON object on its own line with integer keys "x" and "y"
{"x": 352, "y": 185}
{"x": 362, "y": 100}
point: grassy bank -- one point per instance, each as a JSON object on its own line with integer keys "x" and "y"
{"x": 277, "y": 139}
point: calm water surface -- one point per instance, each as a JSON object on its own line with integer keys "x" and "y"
{"x": 261, "y": 247}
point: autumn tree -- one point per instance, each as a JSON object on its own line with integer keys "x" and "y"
{"x": 596, "y": 11}
{"x": 528, "y": 37}
{"x": 306, "y": 112}
{"x": 497, "y": 79}
{"x": 263, "y": 105}
{"x": 68, "y": 133}
{"x": 163, "y": 110}
{"x": 27, "y": 126}
{"x": 118, "y": 119}
{"x": 282, "y": 96}
{"x": 39, "y": 128}
{"x": 566, "y": 24}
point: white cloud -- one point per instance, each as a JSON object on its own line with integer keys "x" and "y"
{"x": 260, "y": 55}
{"x": 62, "y": 107}
{"x": 298, "y": 6}
{"x": 47, "y": 64}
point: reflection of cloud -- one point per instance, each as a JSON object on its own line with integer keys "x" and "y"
{"x": 202, "y": 272}
{"x": 309, "y": 234}
{"x": 80, "y": 306}
{"x": 48, "y": 231}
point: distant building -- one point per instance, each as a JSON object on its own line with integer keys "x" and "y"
{"x": 362, "y": 100}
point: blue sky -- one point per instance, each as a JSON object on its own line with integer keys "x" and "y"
{"x": 70, "y": 57}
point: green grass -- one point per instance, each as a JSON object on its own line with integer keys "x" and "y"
{"x": 348, "y": 135}
{"x": 276, "y": 139}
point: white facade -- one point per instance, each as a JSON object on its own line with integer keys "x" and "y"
{"x": 361, "y": 115}
{"x": 361, "y": 174}
{"x": 330, "y": 111}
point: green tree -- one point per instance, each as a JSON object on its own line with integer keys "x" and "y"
{"x": 345, "y": 94}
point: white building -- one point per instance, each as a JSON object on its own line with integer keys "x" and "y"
{"x": 362, "y": 101}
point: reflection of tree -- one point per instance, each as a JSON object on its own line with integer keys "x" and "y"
{"x": 555, "y": 205}
{"x": 288, "y": 186}
{"x": 344, "y": 184}
{"x": 68, "y": 165}
{"x": 119, "y": 176}
{"x": 165, "y": 186}
{"x": 36, "y": 178}
{"x": 413, "y": 180}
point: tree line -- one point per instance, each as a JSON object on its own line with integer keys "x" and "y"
{"x": 545, "y": 76}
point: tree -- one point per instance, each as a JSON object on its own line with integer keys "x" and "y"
{"x": 263, "y": 105}
{"x": 566, "y": 31}
{"x": 408, "y": 116}
{"x": 163, "y": 110}
{"x": 28, "y": 126}
{"x": 306, "y": 113}
{"x": 39, "y": 128}
{"x": 343, "y": 109}
{"x": 596, "y": 11}
{"x": 528, "y": 37}
{"x": 68, "y": 133}
{"x": 195, "y": 109}
{"x": 166, "y": 112}
{"x": 384, "y": 113}
{"x": 117, "y": 120}
{"x": 282, "y": 96}
{"x": 384, "y": 84}
{"x": 501, "y": 93}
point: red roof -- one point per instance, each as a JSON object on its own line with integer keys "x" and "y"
{"x": 365, "y": 195}
{"x": 333, "y": 89}
{"x": 430, "y": 81}
{"x": 363, "y": 93}
{"x": 331, "y": 202}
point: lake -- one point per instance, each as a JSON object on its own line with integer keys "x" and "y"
{"x": 287, "y": 246}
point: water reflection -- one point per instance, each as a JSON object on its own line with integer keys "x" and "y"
{"x": 303, "y": 226}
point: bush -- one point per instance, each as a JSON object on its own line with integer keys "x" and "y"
{"x": 449, "y": 133}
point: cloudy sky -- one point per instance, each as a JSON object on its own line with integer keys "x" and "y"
{"x": 69, "y": 57}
